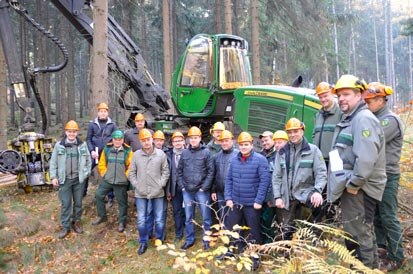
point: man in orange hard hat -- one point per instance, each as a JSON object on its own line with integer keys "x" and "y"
{"x": 389, "y": 236}
{"x": 214, "y": 146}
{"x": 195, "y": 175}
{"x": 131, "y": 135}
{"x": 299, "y": 177}
{"x": 149, "y": 174}
{"x": 70, "y": 165}
{"x": 246, "y": 186}
{"x": 174, "y": 193}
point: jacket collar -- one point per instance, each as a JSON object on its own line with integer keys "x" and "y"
{"x": 359, "y": 107}
{"x": 107, "y": 123}
{"x": 63, "y": 142}
{"x": 384, "y": 109}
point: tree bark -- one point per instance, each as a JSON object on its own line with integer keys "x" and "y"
{"x": 166, "y": 44}
{"x": 228, "y": 17}
{"x": 71, "y": 90}
{"x": 335, "y": 39}
{"x": 99, "y": 70}
{"x": 218, "y": 21}
{"x": 376, "y": 46}
{"x": 255, "y": 29}
{"x": 3, "y": 101}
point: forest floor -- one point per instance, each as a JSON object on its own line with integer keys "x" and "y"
{"x": 29, "y": 224}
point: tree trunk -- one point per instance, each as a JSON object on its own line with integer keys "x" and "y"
{"x": 388, "y": 46}
{"x": 352, "y": 42}
{"x": 99, "y": 70}
{"x": 71, "y": 90}
{"x": 376, "y": 46}
{"x": 255, "y": 29}
{"x": 410, "y": 66}
{"x": 335, "y": 39}
{"x": 166, "y": 44}
{"x": 218, "y": 21}
{"x": 3, "y": 101}
{"x": 228, "y": 17}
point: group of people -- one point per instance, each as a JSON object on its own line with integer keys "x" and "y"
{"x": 353, "y": 161}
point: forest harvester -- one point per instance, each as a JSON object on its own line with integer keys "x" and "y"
{"x": 212, "y": 82}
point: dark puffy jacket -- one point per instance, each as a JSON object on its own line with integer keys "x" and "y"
{"x": 196, "y": 169}
{"x": 247, "y": 181}
{"x": 222, "y": 161}
{"x": 99, "y": 137}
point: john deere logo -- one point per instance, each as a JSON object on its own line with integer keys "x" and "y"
{"x": 385, "y": 122}
{"x": 366, "y": 133}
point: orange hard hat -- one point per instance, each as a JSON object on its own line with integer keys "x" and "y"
{"x": 244, "y": 137}
{"x": 194, "y": 131}
{"x": 158, "y": 135}
{"x": 294, "y": 123}
{"x": 225, "y": 134}
{"x": 376, "y": 89}
{"x": 103, "y": 106}
{"x": 71, "y": 125}
{"x": 144, "y": 134}
{"x": 139, "y": 117}
{"x": 323, "y": 87}
{"x": 177, "y": 134}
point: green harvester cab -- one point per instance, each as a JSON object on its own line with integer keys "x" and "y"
{"x": 207, "y": 74}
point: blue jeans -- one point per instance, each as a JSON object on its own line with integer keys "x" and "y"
{"x": 143, "y": 216}
{"x": 190, "y": 200}
{"x": 179, "y": 214}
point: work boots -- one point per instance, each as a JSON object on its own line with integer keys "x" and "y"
{"x": 63, "y": 233}
{"x": 77, "y": 227}
{"x": 99, "y": 220}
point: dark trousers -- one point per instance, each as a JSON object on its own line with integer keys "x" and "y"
{"x": 358, "y": 216}
{"x": 387, "y": 226}
{"x": 267, "y": 220}
{"x": 179, "y": 214}
{"x": 286, "y": 218}
{"x": 70, "y": 195}
{"x": 121, "y": 194}
{"x": 251, "y": 216}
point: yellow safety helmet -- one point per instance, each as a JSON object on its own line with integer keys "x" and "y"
{"x": 158, "y": 135}
{"x": 280, "y": 134}
{"x": 194, "y": 131}
{"x": 350, "y": 81}
{"x": 177, "y": 134}
{"x": 244, "y": 137}
{"x": 71, "y": 125}
{"x": 103, "y": 106}
{"x": 226, "y": 134}
{"x": 376, "y": 89}
{"x": 217, "y": 126}
{"x": 139, "y": 117}
{"x": 294, "y": 123}
{"x": 144, "y": 134}
{"x": 323, "y": 87}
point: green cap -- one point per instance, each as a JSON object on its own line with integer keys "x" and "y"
{"x": 117, "y": 134}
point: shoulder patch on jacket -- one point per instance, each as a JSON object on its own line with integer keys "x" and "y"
{"x": 366, "y": 133}
{"x": 385, "y": 122}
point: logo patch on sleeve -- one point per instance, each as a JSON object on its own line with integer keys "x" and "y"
{"x": 384, "y": 122}
{"x": 366, "y": 133}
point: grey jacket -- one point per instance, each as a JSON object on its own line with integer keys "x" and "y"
{"x": 58, "y": 162}
{"x": 309, "y": 174}
{"x": 149, "y": 173}
{"x": 132, "y": 139}
{"x": 325, "y": 123}
{"x": 393, "y": 134}
{"x": 359, "y": 140}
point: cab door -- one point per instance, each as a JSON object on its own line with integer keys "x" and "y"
{"x": 195, "y": 78}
